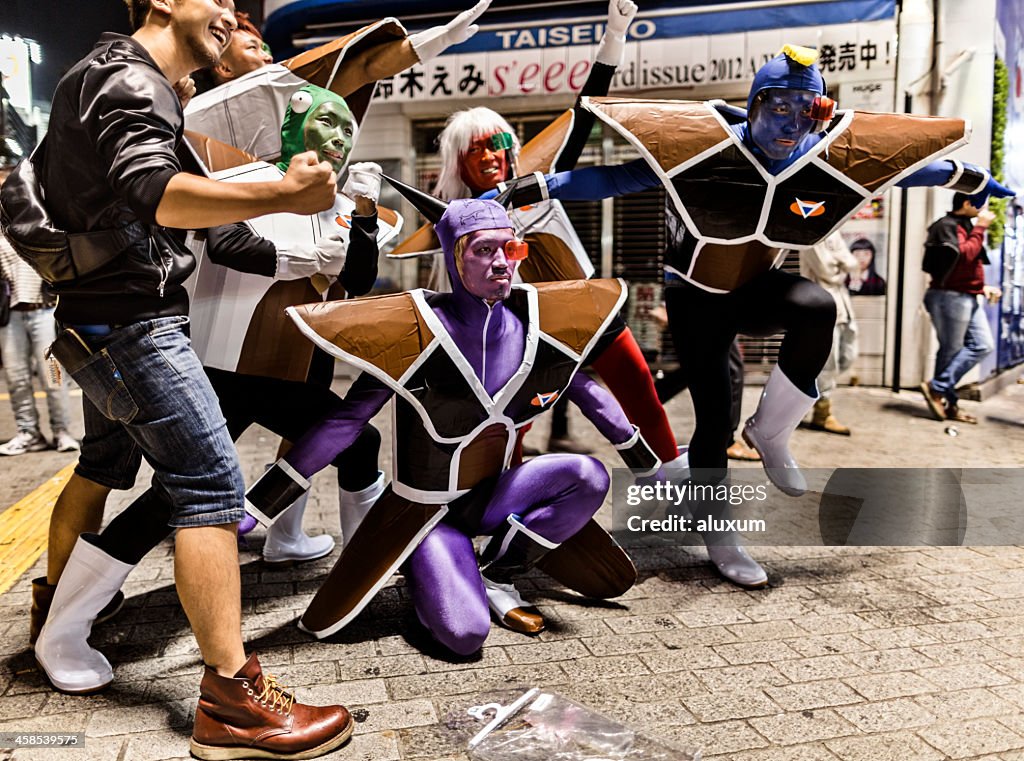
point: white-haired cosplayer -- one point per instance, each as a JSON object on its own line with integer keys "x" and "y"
{"x": 460, "y": 131}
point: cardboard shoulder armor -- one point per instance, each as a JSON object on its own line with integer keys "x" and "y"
{"x": 556, "y": 252}
{"x": 238, "y": 319}
{"x": 247, "y": 112}
{"x": 450, "y": 434}
{"x": 739, "y": 218}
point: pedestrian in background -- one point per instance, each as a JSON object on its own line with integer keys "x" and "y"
{"x": 955, "y": 257}
{"x": 830, "y": 263}
{"x": 23, "y": 344}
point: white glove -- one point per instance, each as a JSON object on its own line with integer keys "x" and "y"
{"x": 613, "y": 44}
{"x": 326, "y": 257}
{"x": 432, "y": 42}
{"x": 363, "y": 180}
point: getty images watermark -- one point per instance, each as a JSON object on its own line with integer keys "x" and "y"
{"x": 713, "y": 498}
{"x": 882, "y": 507}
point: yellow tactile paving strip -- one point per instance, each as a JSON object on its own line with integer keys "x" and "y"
{"x": 24, "y": 527}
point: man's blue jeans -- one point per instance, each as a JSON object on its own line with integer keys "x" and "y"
{"x": 964, "y": 337}
{"x": 146, "y": 394}
{"x": 24, "y": 342}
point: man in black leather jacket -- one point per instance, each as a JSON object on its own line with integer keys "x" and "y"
{"x": 110, "y": 163}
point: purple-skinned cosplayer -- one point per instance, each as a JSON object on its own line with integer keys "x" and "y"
{"x": 467, "y": 370}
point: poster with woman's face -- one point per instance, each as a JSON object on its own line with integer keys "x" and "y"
{"x": 870, "y": 251}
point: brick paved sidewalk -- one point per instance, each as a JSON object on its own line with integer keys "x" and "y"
{"x": 851, "y": 654}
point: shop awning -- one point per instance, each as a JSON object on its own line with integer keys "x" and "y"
{"x": 294, "y": 25}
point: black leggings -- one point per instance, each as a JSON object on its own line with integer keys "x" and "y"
{"x": 675, "y": 382}
{"x": 705, "y": 324}
{"x": 287, "y": 408}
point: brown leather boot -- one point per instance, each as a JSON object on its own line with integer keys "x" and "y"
{"x": 934, "y": 400}
{"x": 42, "y": 597}
{"x": 823, "y": 420}
{"x": 740, "y": 451}
{"x": 251, "y": 716}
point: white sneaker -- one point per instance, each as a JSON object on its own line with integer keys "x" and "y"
{"x": 65, "y": 442}
{"x": 25, "y": 442}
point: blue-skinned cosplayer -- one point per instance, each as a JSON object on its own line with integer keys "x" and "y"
{"x": 784, "y": 174}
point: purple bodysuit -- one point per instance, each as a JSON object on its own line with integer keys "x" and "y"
{"x": 553, "y": 495}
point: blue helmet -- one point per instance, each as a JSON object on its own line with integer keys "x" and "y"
{"x": 795, "y": 68}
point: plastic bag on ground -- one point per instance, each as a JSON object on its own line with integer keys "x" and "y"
{"x": 541, "y": 724}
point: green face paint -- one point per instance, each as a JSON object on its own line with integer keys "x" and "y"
{"x": 329, "y": 130}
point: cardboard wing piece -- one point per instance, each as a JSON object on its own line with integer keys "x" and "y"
{"x": 390, "y": 532}
{"x": 591, "y": 563}
{"x": 247, "y": 112}
{"x": 556, "y": 251}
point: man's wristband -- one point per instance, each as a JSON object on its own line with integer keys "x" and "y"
{"x": 638, "y": 456}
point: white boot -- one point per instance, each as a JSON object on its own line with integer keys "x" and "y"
{"x": 288, "y": 543}
{"x": 779, "y": 412}
{"x": 678, "y": 470}
{"x": 89, "y": 581}
{"x": 510, "y": 553}
{"x": 511, "y": 609}
{"x": 354, "y": 505}
{"x": 733, "y": 562}
{"x": 725, "y": 547}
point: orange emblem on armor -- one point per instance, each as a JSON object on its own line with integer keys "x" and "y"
{"x": 542, "y": 400}
{"x": 808, "y": 208}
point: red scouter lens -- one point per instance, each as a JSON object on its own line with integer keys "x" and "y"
{"x": 516, "y": 250}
